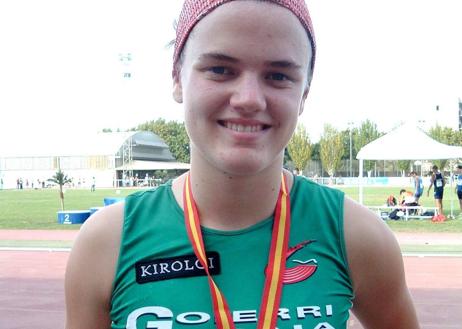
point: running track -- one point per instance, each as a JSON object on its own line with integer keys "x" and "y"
{"x": 32, "y": 294}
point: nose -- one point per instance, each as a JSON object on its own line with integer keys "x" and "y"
{"x": 248, "y": 94}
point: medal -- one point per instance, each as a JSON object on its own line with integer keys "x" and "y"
{"x": 276, "y": 260}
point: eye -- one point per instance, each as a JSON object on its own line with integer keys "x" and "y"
{"x": 220, "y": 70}
{"x": 277, "y": 77}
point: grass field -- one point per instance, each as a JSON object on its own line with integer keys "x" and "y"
{"x": 376, "y": 196}
{"x": 37, "y": 209}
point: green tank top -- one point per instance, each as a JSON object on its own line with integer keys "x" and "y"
{"x": 159, "y": 284}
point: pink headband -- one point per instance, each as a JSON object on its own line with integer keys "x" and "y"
{"x": 194, "y": 10}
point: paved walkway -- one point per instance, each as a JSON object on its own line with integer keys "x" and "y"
{"x": 430, "y": 238}
{"x": 59, "y": 235}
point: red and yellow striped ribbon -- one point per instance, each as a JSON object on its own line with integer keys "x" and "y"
{"x": 276, "y": 260}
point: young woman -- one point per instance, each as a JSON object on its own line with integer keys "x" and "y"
{"x": 238, "y": 242}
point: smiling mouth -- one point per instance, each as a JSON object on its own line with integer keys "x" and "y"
{"x": 243, "y": 128}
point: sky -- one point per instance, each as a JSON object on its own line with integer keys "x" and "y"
{"x": 61, "y": 76}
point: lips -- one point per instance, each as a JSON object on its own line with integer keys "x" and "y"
{"x": 243, "y": 127}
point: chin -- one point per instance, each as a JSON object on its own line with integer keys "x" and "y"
{"x": 236, "y": 161}
{"x": 242, "y": 169}
{"x": 242, "y": 165}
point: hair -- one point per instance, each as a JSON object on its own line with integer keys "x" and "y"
{"x": 435, "y": 167}
{"x": 459, "y": 166}
{"x": 412, "y": 173}
{"x": 403, "y": 190}
{"x": 193, "y": 11}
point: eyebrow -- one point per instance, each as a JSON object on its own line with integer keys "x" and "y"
{"x": 286, "y": 64}
{"x": 218, "y": 56}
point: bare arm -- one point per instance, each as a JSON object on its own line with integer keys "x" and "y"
{"x": 90, "y": 270}
{"x": 432, "y": 179}
{"x": 382, "y": 299}
{"x": 416, "y": 183}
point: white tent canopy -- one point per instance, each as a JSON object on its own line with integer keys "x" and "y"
{"x": 406, "y": 142}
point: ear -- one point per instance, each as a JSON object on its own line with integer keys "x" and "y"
{"x": 177, "y": 90}
{"x": 302, "y": 103}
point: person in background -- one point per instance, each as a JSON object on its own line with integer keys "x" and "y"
{"x": 437, "y": 180}
{"x": 93, "y": 184}
{"x": 459, "y": 187}
{"x": 406, "y": 198}
{"x": 238, "y": 241}
{"x": 391, "y": 201}
{"x": 418, "y": 185}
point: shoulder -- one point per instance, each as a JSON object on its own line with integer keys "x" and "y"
{"x": 362, "y": 226}
{"x": 96, "y": 247}
{"x": 103, "y": 228}
{"x": 306, "y": 184}
{"x": 316, "y": 197}
{"x": 98, "y": 241}
{"x": 376, "y": 268}
{"x": 369, "y": 242}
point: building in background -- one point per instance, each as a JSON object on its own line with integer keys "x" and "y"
{"x": 113, "y": 159}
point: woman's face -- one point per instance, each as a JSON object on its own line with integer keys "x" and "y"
{"x": 243, "y": 82}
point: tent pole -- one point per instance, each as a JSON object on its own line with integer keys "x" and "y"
{"x": 361, "y": 181}
{"x": 451, "y": 176}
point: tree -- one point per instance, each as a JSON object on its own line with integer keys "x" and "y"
{"x": 315, "y": 151}
{"x": 60, "y": 179}
{"x": 299, "y": 148}
{"x": 331, "y": 149}
{"x": 346, "y": 135}
{"x": 444, "y": 135}
{"x": 173, "y": 133}
{"x": 403, "y": 166}
{"x": 458, "y": 138}
{"x": 366, "y": 133}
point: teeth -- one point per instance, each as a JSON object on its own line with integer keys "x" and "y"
{"x": 244, "y": 128}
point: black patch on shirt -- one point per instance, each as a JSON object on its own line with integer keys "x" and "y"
{"x": 176, "y": 267}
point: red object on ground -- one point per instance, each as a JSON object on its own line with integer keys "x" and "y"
{"x": 438, "y": 218}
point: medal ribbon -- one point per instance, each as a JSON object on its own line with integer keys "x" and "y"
{"x": 276, "y": 260}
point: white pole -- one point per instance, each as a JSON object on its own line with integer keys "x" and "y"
{"x": 361, "y": 199}
{"x": 451, "y": 176}
{"x": 351, "y": 155}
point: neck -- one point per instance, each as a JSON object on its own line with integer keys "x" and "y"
{"x": 228, "y": 202}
